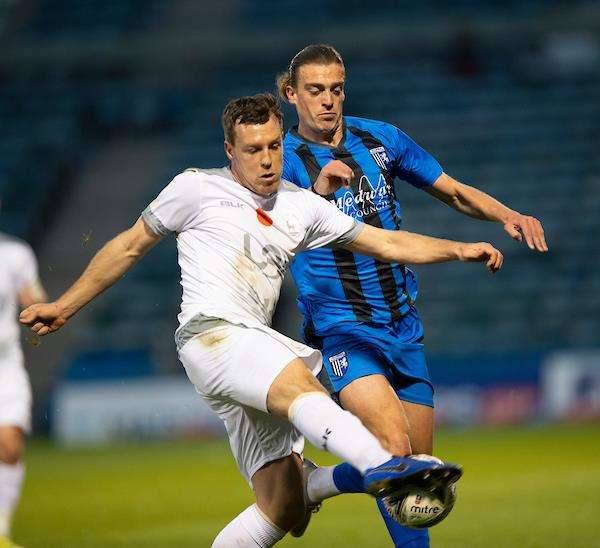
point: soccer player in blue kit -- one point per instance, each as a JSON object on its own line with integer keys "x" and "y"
{"x": 360, "y": 312}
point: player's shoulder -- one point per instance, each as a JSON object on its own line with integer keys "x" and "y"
{"x": 14, "y": 244}
{"x": 377, "y": 128}
{"x": 196, "y": 174}
{"x": 195, "y": 179}
{"x": 207, "y": 172}
{"x": 15, "y": 250}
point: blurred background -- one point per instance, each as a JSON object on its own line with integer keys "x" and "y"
{"x": 103, "y": 102}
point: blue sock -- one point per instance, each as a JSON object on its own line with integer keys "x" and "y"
{"x": 403, "y": 536}
{"x": 348, "y": 479}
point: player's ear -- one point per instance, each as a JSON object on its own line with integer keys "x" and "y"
{"x": 228, "y": 150}
{"x": 290, "y": 94}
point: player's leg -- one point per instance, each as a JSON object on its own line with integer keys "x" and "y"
{"x": 250, "y": 375}
{"x": 242, "y": 373}
{"x": 12, "y": 472}
{"x": 421, "y": 420}
{"x": 412, "y": 381}
{"x": 355, "y": 370}
{"x": 296, "y": 394}
{"x": 15, "y": 419}
{"x": 278, "y": 490}
{"x": 415, "y": 393}
{"x": 402, "y": 422}
{"x": 279, "y": 506}
{"x": 375, "y": 402}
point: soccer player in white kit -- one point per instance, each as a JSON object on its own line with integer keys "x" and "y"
{"x": 19, "y": 287}
{"x": 237, "y": 228}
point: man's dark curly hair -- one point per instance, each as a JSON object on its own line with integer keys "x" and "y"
{"x": 254, "y": 109}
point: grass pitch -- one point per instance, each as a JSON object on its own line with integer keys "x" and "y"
{"x": 533, "y": 487}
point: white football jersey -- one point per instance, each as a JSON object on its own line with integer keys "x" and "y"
{"x": 234, "y": 245}
{"x": 18, "y": 270}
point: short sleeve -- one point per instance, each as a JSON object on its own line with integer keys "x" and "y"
{"x": 327, "y": 225}
{"x": 25, "y": 267}
{"x": 413, "y": 163}
{"x": 177, "y": 207}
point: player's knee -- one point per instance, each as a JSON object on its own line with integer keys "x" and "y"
{"x": 11, "y": 452}
{"x": 395, "y": 441}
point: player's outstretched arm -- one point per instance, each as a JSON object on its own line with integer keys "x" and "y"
{"x": 408, "y": 248}
{"x": 107, "y": 267}
{"x": 478, "y": 204}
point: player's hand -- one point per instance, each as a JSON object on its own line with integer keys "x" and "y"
{"x": 43, "y": 318}
{"x": 332, "y": 177}
{"x": 481, "y": 252}
{"x": 529, "y": 228}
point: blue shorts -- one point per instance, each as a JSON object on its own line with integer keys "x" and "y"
{"x": 358, "y": 350}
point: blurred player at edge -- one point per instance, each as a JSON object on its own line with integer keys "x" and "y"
{"x": 19, "y": 287}
{"x": 359, "y": 311}
{"x": 237, "y": 228}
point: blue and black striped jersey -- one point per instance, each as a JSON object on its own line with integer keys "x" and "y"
{"x": 335, "y": 285}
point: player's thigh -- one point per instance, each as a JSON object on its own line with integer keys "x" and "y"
{"x": 279, "y": 492}
{"x": 15, "y": 410}
{"x": 246, "y": 364}
{"x": 413, "y": 387}
{"x": 11, "y": 444}
{"x": 421, "y": 420}
{"x": 373, "y": 400}
{"x": 294, "y": 380}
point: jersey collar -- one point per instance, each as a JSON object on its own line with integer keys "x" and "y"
{"x": 294, "y": 131}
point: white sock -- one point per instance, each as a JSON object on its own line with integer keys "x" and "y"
{"x": 251, "y": 529}
{"x": 327, "y": 426}
{"x": 320, "y": 484}
{"x": 11, "y": 480}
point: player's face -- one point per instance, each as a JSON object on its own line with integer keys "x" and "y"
{"x": 319, "y": 98}
{"x": 256, "y": 156}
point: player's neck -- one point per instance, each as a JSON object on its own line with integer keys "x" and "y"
{"x": 237, "y": 177}
{"x": 329, "y": 138}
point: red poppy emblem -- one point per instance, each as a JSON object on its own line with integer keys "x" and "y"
{"x": 263, "y": 218}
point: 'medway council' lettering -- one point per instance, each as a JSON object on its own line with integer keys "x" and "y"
{"x": 368, "y": 200}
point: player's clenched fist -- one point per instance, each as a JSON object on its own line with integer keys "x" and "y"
{"x": 333, "y": 176}
{"x": 481, "y": 252}
{"x": 43, "y": 318}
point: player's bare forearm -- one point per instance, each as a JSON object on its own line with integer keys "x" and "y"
{"x": 404, "y": 247}
{"x": 475, "y": 203}
{"x": 409, "y": 248}
{"x": 108, "y": 266}
{"x": 469, "y": 200}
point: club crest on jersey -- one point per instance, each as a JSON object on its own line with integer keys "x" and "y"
{"x": 380, "y": 156}
{"x": 339, "y": 364}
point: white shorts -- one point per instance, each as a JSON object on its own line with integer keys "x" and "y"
{"x": 233, "y": 367}
{"x": 15, "y": 396}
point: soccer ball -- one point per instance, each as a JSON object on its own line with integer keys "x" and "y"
{"x": 419, "y": 509}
